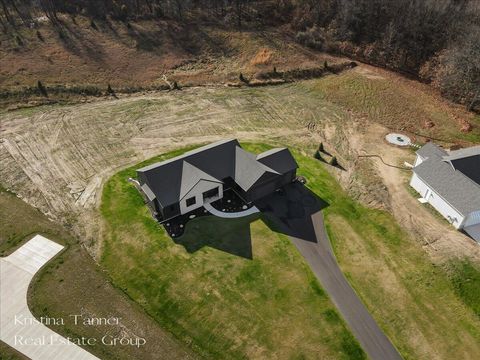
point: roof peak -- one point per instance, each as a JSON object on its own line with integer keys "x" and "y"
{"x": 191, "y": 175}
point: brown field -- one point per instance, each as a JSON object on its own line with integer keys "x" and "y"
{"x": 78, "y": 54}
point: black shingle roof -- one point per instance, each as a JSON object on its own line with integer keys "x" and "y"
{"x": 213, "y": 162}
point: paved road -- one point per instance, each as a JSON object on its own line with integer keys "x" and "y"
{"x": 322, "y": 261}
{"x": 17, "y": 325}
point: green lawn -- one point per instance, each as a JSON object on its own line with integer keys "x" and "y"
{"x": 424, "y": 313}
{"x": 20, "y": 221}
{"x": 226, "y": 306}
{"x": 465, "y": 277}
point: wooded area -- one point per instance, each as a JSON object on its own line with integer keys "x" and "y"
{"x": 437, "y": 41}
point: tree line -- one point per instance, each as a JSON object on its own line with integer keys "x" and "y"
{"x": 435, "y": 40}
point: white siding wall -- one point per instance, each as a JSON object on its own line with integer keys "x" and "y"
{"x": 473, "y": 219}
{"x": 197, "y": 192}
{"x": 448, "y": 212}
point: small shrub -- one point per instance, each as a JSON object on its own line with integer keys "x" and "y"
{"x": 42, "y": 88}
{"x": 333, "y": 161}
{"x": 320, "y": 147}
{"x": 243, "y": 79}
{"x": 331, "y": 316}
{"x": 93, "y": 25}
{"x": 325, "y": 64}
{"x": 40, "y": 36}
{"x": 311, "y": 38}
{"x": 318, "y": 156}
{"x": 19, "y": 40}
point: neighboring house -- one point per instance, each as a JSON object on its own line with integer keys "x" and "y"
{"x": 177, "y": 186}
{"x": 450, "y": 182}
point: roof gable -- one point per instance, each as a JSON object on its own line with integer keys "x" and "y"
{"x": 463, "y": 153}
{"x": 248, "y": 170}
{"x": 430, "y": 149}
{"x": 191, "y": 176}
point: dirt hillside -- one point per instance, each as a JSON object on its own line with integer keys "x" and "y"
{"x": 85, "y": 52}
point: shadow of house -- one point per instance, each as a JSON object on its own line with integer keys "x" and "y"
{"x": 289, "y": 211}
{"x": 229, "y": 235}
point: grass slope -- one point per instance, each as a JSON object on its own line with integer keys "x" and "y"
{"x": 223, "y": 305}
{"x": 271, "y": 306}
{"x": 19, "y": 221}
{"x": 413, "y": 300}
{"x": 398, "y": 104}
{"x": 8, "y": 353}
{"x": 465, "y": 277}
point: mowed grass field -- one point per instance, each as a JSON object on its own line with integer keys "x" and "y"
{"x": 226, "y": 306}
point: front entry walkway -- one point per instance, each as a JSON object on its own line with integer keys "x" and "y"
{"x": 18, "y": 327}
{"x": 230, "y": 215}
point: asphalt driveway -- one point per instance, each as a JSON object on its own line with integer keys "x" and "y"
{"x": 296, "y": 212}
{"x": 320, "y": 257}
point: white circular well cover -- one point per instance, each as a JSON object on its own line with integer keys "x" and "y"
{"x": 398, "y": 139}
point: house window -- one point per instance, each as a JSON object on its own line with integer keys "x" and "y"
{"x": 190, "y": 201}
{"x": 210, "y": 194}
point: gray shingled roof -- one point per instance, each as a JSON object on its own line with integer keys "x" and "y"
{"x": 430, "y": 149}
{"x": 453, "y": 186}
{"x": 171, "y": 179}
{"x": 248, "y": 170}
{"x": 191, "y": 176}
{"x": 165, "y": 177}
{"x": 463, "y": 153}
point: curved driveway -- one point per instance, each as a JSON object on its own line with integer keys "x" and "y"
{"x": 321, "y": 259}
{"x": 18, "y": 327}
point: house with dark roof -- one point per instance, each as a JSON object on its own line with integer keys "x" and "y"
{"x": 182, "y": 184}
{"x": 450, "y": 182}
